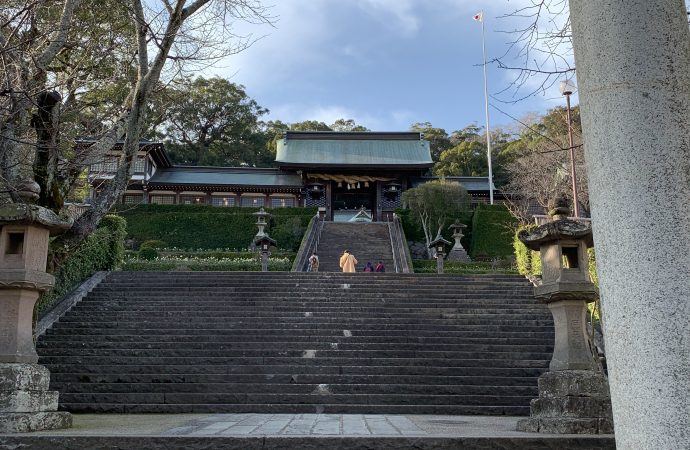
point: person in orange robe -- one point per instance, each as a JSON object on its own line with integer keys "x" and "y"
{"x": 348, "y": 262}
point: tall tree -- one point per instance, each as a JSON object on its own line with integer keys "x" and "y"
{"x": 43, "y": 73}
{"x": 438, "y": 138}
{"x": 212, "y": 122}
{"x": 347, "y": 125}
{"x": 434, "y": 204}
{"x": 539, "y": 165}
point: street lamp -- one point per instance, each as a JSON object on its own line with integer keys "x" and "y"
{"x": 567, "y": 88}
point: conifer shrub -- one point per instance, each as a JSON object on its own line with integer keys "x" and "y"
{"x": 492, "y": 232}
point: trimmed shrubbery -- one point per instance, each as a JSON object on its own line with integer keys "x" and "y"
{"x": 528, "y": 261}
{"x": 492, "y": 232}
{"x": 208, "y": 227}
{"x": 429, "y": 266}
{"x": 101, "y": 250}
{"x": 169, "y": 263}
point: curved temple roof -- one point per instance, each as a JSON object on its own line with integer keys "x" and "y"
{"x": 353, "y": 149}
{"x": 219, "y": 176}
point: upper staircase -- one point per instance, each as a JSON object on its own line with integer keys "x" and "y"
{"x": 369, "y": 242}
{"x": 211, "y": 342}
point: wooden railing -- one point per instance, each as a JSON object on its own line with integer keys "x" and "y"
{"x": 309, "y": 245}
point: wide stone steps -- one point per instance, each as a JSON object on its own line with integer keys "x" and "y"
{"x": 297, "y": 388}
{"x": 368, "y": 242}
{"x": 111, "y": 382}
{"x": 301, "y": 343}
{"x": 278, "y": 406}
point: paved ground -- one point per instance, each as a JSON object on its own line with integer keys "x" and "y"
{"x": 296, "y": 431}
{"x": 289, "y": 425}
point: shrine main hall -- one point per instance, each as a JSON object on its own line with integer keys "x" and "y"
{"x": 343, "y": 172}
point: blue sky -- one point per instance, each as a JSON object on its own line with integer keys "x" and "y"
{"x": 385, "y": 63}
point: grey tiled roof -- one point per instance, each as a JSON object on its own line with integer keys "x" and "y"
{"x": 224, "y": 176}
{"x": 354, "y": 150}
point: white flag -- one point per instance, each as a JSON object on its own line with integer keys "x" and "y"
{"x": 479, "y": 17}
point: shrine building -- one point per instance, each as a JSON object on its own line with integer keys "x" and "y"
{"x": 343, "y": 172}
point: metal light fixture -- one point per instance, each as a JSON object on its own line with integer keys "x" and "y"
{"x": 567, "y": 88}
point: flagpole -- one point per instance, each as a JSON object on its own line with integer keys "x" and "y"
{"x": 488, "y": 130}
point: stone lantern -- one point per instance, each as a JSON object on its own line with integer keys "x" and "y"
{"x": 264, "y": 244}
{"x": 439, "y": 245}
{"x": 26, "y": 404}
{"x": 261, "y": 221}
{"x": 458, "y": 253}
{"x": 574, "y": 395}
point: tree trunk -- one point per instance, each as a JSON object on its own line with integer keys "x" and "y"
{"x": 45, "y": 122}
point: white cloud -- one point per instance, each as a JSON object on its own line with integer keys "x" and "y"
{"x": 401, "y": 11}
{"x": 394, "y": 120}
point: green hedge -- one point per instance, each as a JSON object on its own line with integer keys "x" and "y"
{"x": 208, "y": 227}
{"x": 429, "y": 266}
{"x": 492, "y": 232}
{"x": 101, "y": 250}
{"x": 528, "y": 261}
{"x": 207, "y": 264}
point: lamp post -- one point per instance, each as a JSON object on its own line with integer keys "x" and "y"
{"x": 439, "y": 244}
{"x": 567, "y": 88}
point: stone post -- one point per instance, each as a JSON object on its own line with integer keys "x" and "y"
{"x": 439, "y": 244}
{"x": 633, "y": 70}
{"x": 573, "y": 395}
{"x": 264, "y": 244}
{"x": 26, "y": 404}
{"x": 458, "y": 253}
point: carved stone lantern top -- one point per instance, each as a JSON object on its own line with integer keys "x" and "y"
{"x": 457, "y": 228}
{"x": 564, "y": 261}
{"x": 558, "y": 230}
{"x": 26, "y": 214}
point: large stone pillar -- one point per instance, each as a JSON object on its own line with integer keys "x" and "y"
{"x": 26, "y": 403}
{"x": 633, "y": 69}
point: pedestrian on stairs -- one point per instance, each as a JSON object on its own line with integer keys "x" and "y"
{"x": 380, "y": 267}
{"x": 347, "y": 262}
{"x": 314, "y": 262}
{"x": 369, "y": 267}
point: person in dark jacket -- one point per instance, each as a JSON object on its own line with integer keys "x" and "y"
{"x": 369, "y": 267}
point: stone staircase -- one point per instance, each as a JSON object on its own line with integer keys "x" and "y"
{"x": 369, "y": 242}
{"x": 212, "y": 342}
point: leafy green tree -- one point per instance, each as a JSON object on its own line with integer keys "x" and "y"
{"x": 347, "y": 125}
{"x": 310, "y": 125}
{"x": 213, "y": 122}
{"x": 438, "y": 138}
{"x": 465, "y": 159}
{"x": 434, "y": 204}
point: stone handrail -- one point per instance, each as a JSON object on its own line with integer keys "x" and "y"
{"x": 401, "y": 255}
{"x": 310, "y": 244}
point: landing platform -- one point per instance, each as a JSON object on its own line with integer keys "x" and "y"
{"x": 297, "y": 431}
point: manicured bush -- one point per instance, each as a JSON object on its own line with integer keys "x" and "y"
{"x": 101, "y": 250}
{"x": 429, "y": 266}
{"x": 148, "y": 253}
{"x": 208, "y": 227}
{"x": 163, "y": 264}
{"x": 528, "y": 261}
{"x": 492, "y": 232}
{"x": 153, "y": 243}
